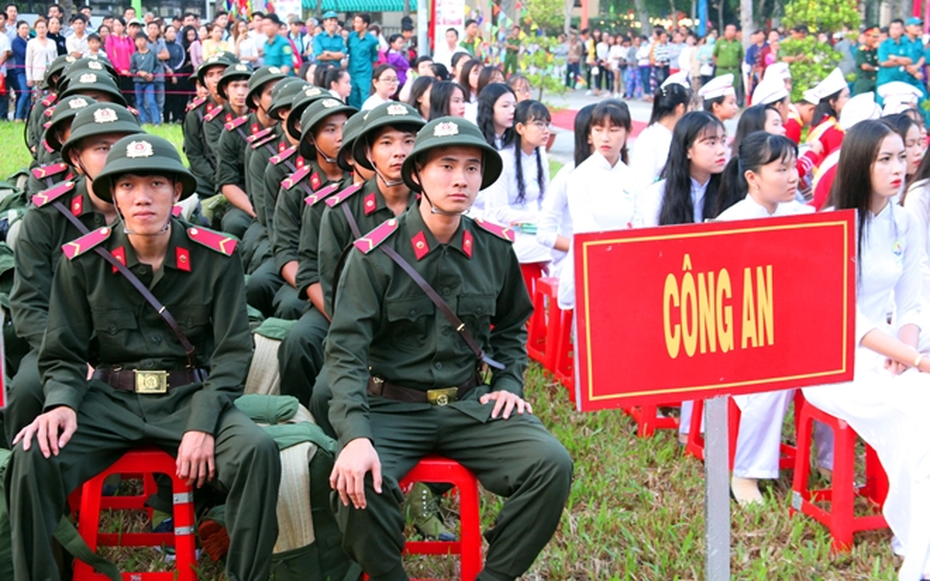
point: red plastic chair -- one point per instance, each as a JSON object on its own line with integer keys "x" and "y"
{"x": 695, "y": 444}
{"x": 840, "y": 517}
{"x": 545, "y": 319}
{"x": 563, "y": 360}
{"x": 468, "y": 547}
{"x": 648, "y": 420}
{"x": 146, "y": 461}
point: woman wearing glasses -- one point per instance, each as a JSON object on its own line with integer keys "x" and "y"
{"x": 383, "y": 86}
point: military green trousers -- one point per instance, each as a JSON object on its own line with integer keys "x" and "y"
{"x": 300, "y": 356}
{"x": 112, "y": 422}
{"x": 515, "y": 458}
{"x": 267, "y": 291}
{"x": 25, "y": 396}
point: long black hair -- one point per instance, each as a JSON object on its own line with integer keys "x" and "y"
{"x": 826, "y": 107}
{"x": 420, "y": 86}
{"x": 677, "y": 207}
{"x": 583, "y": 149}
{"x": 463, "y": 77}
{"x": 667, "y": 99}
{"x": 614, "y": 112}
{"x": 332, "y": 75}
{"x": 526, "y": 113}
{"x": 852, "y": 186}
{"x": 902, "y": 123}
{"x": 752, "y": 120}
{"x": 319, "y": 74}
{"x": 756, "y": 150}
{"x": 486, "y": 102}
{"x": 441, "y": 96}
{"x": 485, "y": 76}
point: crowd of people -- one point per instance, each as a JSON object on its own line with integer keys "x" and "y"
{"x": 391, "y": 209}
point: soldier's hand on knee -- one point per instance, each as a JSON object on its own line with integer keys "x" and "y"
{"x": 356, "y": 460}
{"x": 506, "y": 401}
{"x": 196, "y": 462}
{"x": 52, "y": 430}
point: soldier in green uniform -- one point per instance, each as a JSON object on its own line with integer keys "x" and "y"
{"x": 233, "y": 87}
{"x": 148, "y": 387}
{"x": 57, "y": 130}
{"x": 197, "y": 144}
{"x": 316, "y": 177}
{"x": 73, "y": 69}
{"x": 33, "y": 128}
{"x": 266, "y": 280}
{"x": 97, "y": 85}
{"x": 382, "y": 145}
{"x": 51, "y": 222}
{"x": 260, "y": 123}
{"x": 393, "y": 353}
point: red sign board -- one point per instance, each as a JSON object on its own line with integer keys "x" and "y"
{"x": 689, "y": 312}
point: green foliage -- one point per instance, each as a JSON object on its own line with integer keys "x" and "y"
{"x": 822, "y": 15}
{"x": 819, "y": 60}
{"x": 539, "y": 63}
{"x": 546, "y": 14}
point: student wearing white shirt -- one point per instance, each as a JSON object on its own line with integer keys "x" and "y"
{"x": 384, "y": 85}
{"x": 515, "y": 199}
{"x": 650, "y": 151}
{"x": 599, "y": 198}
{"x": 689, "y": 191}
{"x": 887, "y": 400}
{"x": 555, "y": 222}
{"x": 917, "y": 202}
{"x": 496, "y": 107}
{"x": 769, "y": 181}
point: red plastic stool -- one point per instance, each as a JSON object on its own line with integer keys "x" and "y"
{"x": 840, "y": 517}
{"x": 532, "y": 271}
{"x": 468, "y": 547}
{"x": 695, "y": 444}
{"x": 545, "y": 318}
{"x": 146, "y": 461}
{"x": 563, "y": 359}
{"x": 648, "y": 420}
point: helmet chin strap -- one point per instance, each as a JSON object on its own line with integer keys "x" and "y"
{"x": 331, "y": 160}
{"x": 388, "y": 183}
{"x": 126, "y": 230}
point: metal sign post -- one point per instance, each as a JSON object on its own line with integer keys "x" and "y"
{"x": 716, "y": 490}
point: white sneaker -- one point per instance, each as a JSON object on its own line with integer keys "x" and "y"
{"x": 588, "y": 93}
{"x": 746, "y": 491}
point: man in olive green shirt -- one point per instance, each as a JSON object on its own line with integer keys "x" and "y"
{"x": 88, "y": 424}
{"x": 392, "y": 356}
{"x": 728, "y": 57}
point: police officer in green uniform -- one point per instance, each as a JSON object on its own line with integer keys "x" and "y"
{"x": 197, "y": 145}
{"x": 33, "y": 128}
{"x": 233, "y": 87}
{"x": 317, "y": 176}
{"x": 148, "y": 387}
{"x": 384, "y": 142}
{"x": 406, "y": 384}
{"x": 49, "y": 223}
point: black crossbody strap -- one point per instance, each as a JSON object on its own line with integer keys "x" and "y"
{"x": 457, "y": 323}
{"x": 137, "y": 284}
{"x": 208, "y": 154}
{"x": 353, "y": 225}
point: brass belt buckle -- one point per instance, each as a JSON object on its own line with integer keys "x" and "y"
{"x": 442, "y": 397}
{"x": 151, "y": 382}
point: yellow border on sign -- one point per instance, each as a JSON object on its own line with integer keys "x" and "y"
{"x": 589, "y": 363}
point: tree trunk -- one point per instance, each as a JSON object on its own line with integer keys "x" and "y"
{"x": 746, "y": 20}
{"x": 569, "y": 4}
{"x": 319, "y": 8}
{"x": 643, "y": 13}
{"x": 720, "y": 23}
{"x": 67, "y": 6}
{"x": 673, "y": 16}
{"x": 406, "y": 7}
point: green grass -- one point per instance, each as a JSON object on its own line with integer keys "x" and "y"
{"x": 636, "y": 510}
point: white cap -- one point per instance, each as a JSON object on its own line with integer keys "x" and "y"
{"x": 679, "y": 78}
{"x": 899, "y": 92}
{"x": 862, "y": 107}
{"x": 834, "y": 83}
{"x": 777, "y": 71}
{"x": 717, "y": 87}
{"x": 811, "y": 96}
{"x": 895, "y": 107}
{"x": 769, "y": 91}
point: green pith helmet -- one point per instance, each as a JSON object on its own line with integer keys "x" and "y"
{"x": 451, "y": 132}
{"x": 283, "y": 94}
{"x": 236, "y": 72}
{"x": 220, "y": 59}
{"x": 101, "y": 82}
{"x": 397, "y": 115}
{"x": 301, "y": 102}
{"x": 99, "y": 119}
{"x": 315, "y": 113}
{"x": 54, "y": 70}
{"x": 86, "y": 64}
{"x": 350, "y": 132}
{"x": 143, "y": 154}
{"x": 257, "y": 82}
{"x": 64, "y": 110}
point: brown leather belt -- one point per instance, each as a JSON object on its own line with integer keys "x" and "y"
{"x": 439, "y": 397}
{"x": 149, "y": 381}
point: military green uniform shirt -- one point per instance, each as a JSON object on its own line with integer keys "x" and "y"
{"x": 230, "y": 155}
{"x": 199, "y": 157}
